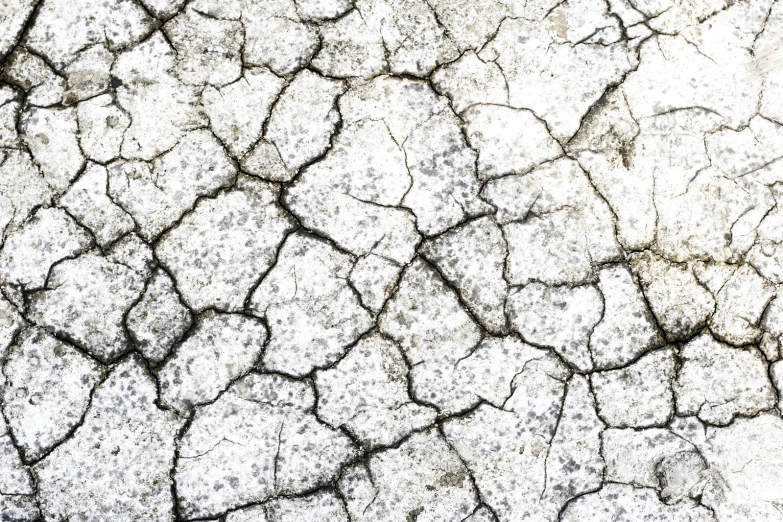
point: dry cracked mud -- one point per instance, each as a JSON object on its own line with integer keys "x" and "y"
{"x": 391, "y": 260}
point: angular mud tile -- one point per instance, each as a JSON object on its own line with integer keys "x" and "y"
{"x": 10, "y": 324}
{"x": 248, "y": 514}
{"x": 158, "y": 319}
{"x": 537, "y": 392}
{"x": 680, "y": 304}
{"x": 43, "y": 85}
{"x": 47, "y": 390}
{"x": 374, "y": 278}
{"x": 472, "y": 257}
{"x": 627, "y": 328}
{"x": 469, "y": 81}
{"x": 438, "y": 201}
{"x": 553, "y": 78}
{"x": 312, "y": 312}
{"x": 426, "y": 320}
{"x": 134, "y": 253}
{"x": 257, "y": 441}
{"x": 739, "y": 153}
{"x": 349, "y": 49}
{"x": 221, "y": 348}
{"x": 499, "y": 368}
{"x": 85, "y": 300}
{"x": 208, "y": 49}
{"x": 766, "y": 255}
{"x": 506, "y": 457}
{"x": 472, "y": 23}
{"x": 585, "y": 21}
{"x": 217, "y": 252}
{"x": 10, "y": 104}
{"x": 367, "y": 392}
{"x": 102, "y": 126}
{"x": 318, "y": 10}
{"x": 303, "y": 120}
{"x": 624, "y": 503}
{"x": 730, "y": 231}
{"x": 163, "y": 9}
{"x": 620, "y": 159}
{"x": 559, "y": 317}
{"x": 323, "y": 506}
{"x": 423, "y": 479}
{"x": 740, "y": 304}
{"x": 526, "y": 465}
{"x": 718, "y": 382}
{"x": 30, "y": 250}
{"x": 22, "y": 187}
{"x": 160, "y": 107}
{"x": 415, "y": 40}
{"x": 711, "y": 275}
{"x": 237, "y": 111}
{"x": 88, "y": 202}
{"x": 265, "y": 162}
{"x": 766, "y": 49}
{"x": 15, "y": 478}
{"x": 632, "y": 454}
{"x": 402, "y": 103}
{"x": 681, "y": 476}
{"x": 715, "y": 85}
{"x": 482, "y": 514}
{"x": 61, "y": 31}
{"x": 574, "y": 463}
{"x": 89, "y": 74}
{"x": 276, "y": 36}
{"x": 351, "y": 194}
{"x": 157, "y": 195}
{"x": 51, "y": 135}
{"x": 508, "y": 140}
{"x": 116, "y": 465}
{"x": 747, "y": 478}
{"x": 555, "y": 224}
{"x": 639, "y": 395}
{"x": 12, "y": 20}
{"x": 22, "y": 508}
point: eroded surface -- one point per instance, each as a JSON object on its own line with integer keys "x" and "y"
{"x": 391, "y": 260}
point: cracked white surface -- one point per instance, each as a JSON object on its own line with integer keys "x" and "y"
{"x": 391, "y": 260}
